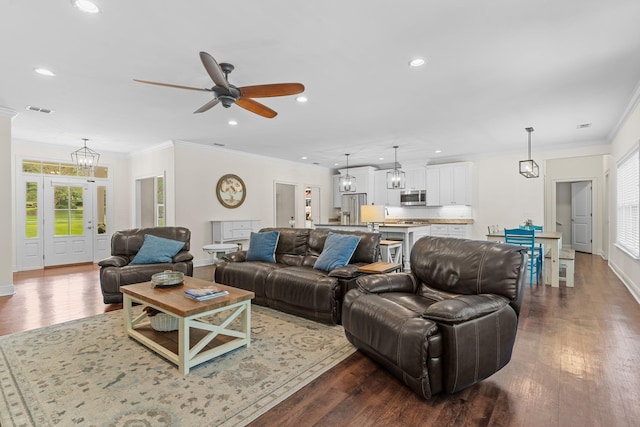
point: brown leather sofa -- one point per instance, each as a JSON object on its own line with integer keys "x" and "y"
{"x": 449, "y": 323}
{"x": 291, "y": 284}
{"x": 117, "y": 271}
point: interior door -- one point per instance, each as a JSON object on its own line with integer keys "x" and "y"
{"x": 68, "y": 221}
{"x": 285, "y": 204}
{"x": 581, "y": 216}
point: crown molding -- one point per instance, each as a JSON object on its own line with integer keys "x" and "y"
{"x": 7, "y": 112}
{"x": 631, "y": 106}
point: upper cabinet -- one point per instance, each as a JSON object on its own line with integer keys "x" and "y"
{"x": 416, "y": 179}
{"x": 382, "y": 195}
{"x": 449, "y": 184}
{"x": 364, "y": 176}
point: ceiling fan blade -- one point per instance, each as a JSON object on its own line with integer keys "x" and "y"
{"x": 214, "y": 70}
{"x": 276, "y": 89}
{"x": 170, "y": 85}
{"x": 207, "y": 106}
{"x": 255, "y": 107}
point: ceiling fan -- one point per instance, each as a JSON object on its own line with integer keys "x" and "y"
{"x": 228, "y": 94}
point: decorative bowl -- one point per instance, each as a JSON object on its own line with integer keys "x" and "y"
{"x": 167, "y": 278}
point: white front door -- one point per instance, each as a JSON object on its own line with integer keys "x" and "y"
{"x": 581, "y": 216}
{"x": 68, "y": 221}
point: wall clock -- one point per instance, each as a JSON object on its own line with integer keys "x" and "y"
{"x": 231, "y": 191}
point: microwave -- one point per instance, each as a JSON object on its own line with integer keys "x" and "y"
{"x": 413, "y": 198}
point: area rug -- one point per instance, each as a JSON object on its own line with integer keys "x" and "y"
{"x": 89, "y": 373}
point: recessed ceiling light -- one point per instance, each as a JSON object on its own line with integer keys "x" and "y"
{"x": 301, "y": 99}
{"x": 417, "y": 62}
{"x": 45, "y": 72}
{"x": 232, "y": 122}
{"x": 438, "y": 151}
{"x": 304, "y": 157}
{"x": 335, "y": 164}
{"x": 86, "y": 6}
{"x": 380, "y": 158}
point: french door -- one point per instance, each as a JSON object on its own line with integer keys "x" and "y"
{"x": 68, "y": 220}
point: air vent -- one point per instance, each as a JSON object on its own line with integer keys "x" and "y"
{"x": 584, "y": 125}
{"x": 38, "y": 109}
{"x": 217, "y": 144}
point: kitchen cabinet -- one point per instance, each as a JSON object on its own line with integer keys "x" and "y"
{"x": 381, "y": 194}
{"x": 415, "y": 179}
{"x": 449, "y": 184}
{"x": 460, "y": 231}
{"x": 364, "y": 176}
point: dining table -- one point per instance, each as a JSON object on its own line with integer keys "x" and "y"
{"x": 552, "y": 240}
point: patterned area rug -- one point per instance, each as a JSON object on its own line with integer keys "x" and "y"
{"x": 88, "y": 372}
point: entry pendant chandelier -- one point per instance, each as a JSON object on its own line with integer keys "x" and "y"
{"x": 396, "y": 179}
{"x": 529, "y": 168}
{"x": 347, "y": 183}
{"x": 85, "y": 159}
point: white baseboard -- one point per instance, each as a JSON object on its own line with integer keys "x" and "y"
{"x": 634, "y": 288}
{"x": 6, "y": 290}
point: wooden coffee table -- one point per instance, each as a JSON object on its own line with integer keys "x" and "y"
{"x": 193, "y": 346}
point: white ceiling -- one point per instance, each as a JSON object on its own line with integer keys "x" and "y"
{"x": 493, "y": 68}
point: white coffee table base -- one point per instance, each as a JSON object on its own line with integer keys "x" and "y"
{"x": 187, "y": 357}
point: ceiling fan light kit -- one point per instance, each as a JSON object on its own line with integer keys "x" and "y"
{"x": 228, "y": 94}
{"x": 347, "y": 183}
{"x": 396, "y": 179}
{"x": 529, "y": 168}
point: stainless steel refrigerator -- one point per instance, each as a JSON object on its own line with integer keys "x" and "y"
{"x": 351, "y": 208}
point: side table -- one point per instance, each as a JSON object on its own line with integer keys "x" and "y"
{"x": 380, "y": 267}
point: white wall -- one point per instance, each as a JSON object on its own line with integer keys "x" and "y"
{"x": 197, "y": 170}
{"x": 627, "y": 268}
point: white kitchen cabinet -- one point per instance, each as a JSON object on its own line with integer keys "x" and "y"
{"x": 460, "y": 231}
{"x": 415, "y": 179}
{"x": 364, "y": 176}
{"x": 449, "y": 184}
{"x": 382, "y": 195}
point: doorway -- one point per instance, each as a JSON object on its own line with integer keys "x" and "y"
{"x": 311, "y": 206}
{"x": 574, "y": 218}
{"x": 285, "y": 205}
{"x": 150, "y": 202}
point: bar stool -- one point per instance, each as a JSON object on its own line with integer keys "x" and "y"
{"x": 218, "y": 250}
{"x": 391, "y": 251}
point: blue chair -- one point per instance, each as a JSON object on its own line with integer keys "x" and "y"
{"x": 540, "y": 246}
{"x": 526, "y": 237}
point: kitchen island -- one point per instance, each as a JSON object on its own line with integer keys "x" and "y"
{"x": 408, "y": 232}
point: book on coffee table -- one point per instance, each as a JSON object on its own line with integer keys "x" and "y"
{"x": 202, "y": 294}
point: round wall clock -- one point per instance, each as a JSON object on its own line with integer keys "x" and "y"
{"x": 231, "y": 191}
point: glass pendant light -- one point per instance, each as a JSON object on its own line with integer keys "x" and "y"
{"x": 529, "y": 168}
{"x": 347, "y": 183}
{"x": 396, "y": 179}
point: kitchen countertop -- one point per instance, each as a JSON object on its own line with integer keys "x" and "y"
{"x": 407, "y": 222}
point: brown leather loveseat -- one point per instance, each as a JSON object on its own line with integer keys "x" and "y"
{"x": 291, "y": 284}
{"x": 117, "y": 270}
{"x": 449, "y": 323}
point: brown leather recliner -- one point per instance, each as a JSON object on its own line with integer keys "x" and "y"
{"x": 117, "y": 271}
{"x": 449, "y": 323}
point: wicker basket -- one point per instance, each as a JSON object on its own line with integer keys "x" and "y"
{"x": 163, "y": 322}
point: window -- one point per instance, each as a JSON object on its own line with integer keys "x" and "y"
{"x": 627, "y": 203}
{"x": 31, "y": 211}
{"x": 69, "y": 213}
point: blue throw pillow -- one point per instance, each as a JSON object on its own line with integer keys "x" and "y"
{"x": 157, "y": 249}
{"x": 337, "y": 251}
{"x": 262, "y": 246}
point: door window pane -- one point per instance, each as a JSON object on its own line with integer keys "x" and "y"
{"x": 76, "y": 211}
{"x": 69, "y": 211}
{"x": 160, "y": 221}
{"x": 102, "y": 209}
{"x": 31, "y": 210}
{"x": 61, "y": 210}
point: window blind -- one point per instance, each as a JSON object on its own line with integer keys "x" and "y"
{"x": 628, "y": 203}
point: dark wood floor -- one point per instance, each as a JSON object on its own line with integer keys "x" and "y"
{"x": 576, "y": 361}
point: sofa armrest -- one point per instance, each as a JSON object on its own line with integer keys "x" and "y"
{"x": 114, "y": 261}
{"x": 239, "y": 256}
{"x": 348, "y": 271}
{"x": 391, "y": 282}
{"x": 182, "y": 256}
{"x": 464, "y": 308}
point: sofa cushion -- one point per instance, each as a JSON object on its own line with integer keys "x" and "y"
{"x": 307, "y": 289}
{"x": 156, "y": 250}
{"x": 337, "y": 251}
{"x": 262, "y": 246}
